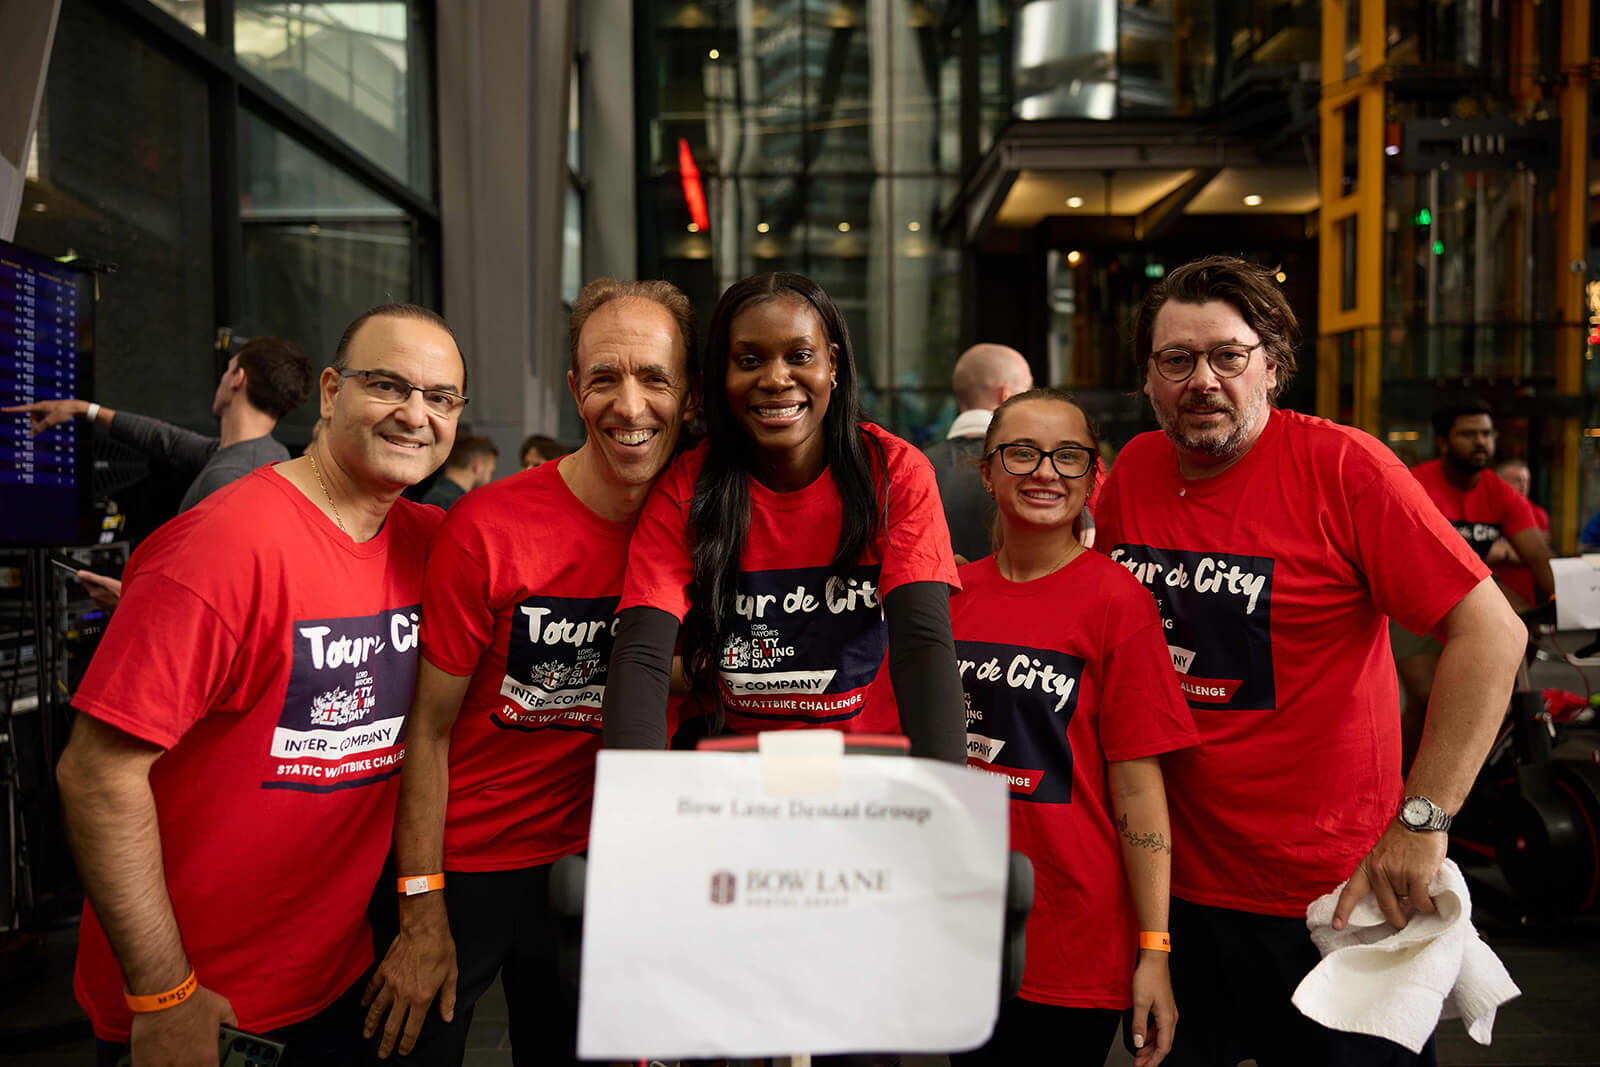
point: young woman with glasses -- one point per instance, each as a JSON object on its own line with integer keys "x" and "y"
{"x": 797, "y": 545}
{"x": 1072, "y": 697}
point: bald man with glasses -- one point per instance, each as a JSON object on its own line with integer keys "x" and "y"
{"x": 231, "y": 779}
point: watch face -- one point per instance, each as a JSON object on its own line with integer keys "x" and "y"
{"x": 1416, "y": 811}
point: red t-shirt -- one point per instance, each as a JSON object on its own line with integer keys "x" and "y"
{"x": 1514, "y": 574}
{"x": 521, "y": 593}
{"x": 274, "y": 659}
{"x": 1051, "y": 698}
{"x": 809, "y": 646}
{"x": 1482, "y": 515}
{"x": 1273, "y": 579}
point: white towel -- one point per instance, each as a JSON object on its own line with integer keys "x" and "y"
{"x": 1396, "y": 984}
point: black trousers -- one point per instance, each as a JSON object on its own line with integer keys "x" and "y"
{"x": 502, "y": 925}
{"x": 330, "y": 1038}
{"x": 1233, "y": 973}
{"x": 1028, "y": 1032}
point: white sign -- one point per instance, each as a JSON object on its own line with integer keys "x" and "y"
{"x": 723, "y": 920}
{"x": 1577, "y": 592}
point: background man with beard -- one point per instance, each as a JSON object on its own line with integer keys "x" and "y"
{"x": 1484, "y": 509}
{"x": 1275, "y": 544}
{"x": 230, "y": 782}
{"x": 522, "y": 586}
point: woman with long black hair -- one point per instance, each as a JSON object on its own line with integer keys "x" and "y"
{"x": 796, "y": 546}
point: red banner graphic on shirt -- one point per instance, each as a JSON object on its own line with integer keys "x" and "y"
{"x": 1021, "y": 781}
{"x": 1209, "y": 690}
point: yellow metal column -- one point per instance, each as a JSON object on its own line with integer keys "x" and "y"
{"x": 1361, "y": 208}
{"x": 1572, "y": 210}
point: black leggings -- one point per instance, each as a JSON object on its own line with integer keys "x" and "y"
{"x": 1028, "y": 1032}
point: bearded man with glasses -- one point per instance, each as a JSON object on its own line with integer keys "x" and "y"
{"x": 1275, "y": 545}
{"x": 231, "y": 779}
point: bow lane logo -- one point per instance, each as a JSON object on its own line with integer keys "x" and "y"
{"x": 797, "y": 888}
{"x": 723, "y": 886}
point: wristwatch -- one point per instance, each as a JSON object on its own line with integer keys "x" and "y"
{"x": 1419, "y": 814}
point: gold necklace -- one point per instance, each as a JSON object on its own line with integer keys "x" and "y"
{"x": 1073, "y": 553}
{"x": 327, "y": 494}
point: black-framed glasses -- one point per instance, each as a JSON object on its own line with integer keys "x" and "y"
{"x": 1226, "y": 361}
{"x": 389, "y": 388}
{"x": 1021, "y": 460}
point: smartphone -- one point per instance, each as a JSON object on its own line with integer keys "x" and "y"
{"x": 236, "y": 1048}
{"x": 69, "y": 567}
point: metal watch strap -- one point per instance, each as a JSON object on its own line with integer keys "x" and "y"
{"x": 1438, "y": 819}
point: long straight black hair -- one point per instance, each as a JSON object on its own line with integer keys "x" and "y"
{"x": 719, "y": 517}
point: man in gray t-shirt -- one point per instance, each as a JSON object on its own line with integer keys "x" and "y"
{"x": 265, "y": 380}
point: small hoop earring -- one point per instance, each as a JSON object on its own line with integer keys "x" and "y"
{"x": 833, "y": 381}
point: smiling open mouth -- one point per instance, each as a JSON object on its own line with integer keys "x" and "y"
{"x": 777, "y": 411}
{"x": 632, "y": 438}
{"x": 405, "y": 442}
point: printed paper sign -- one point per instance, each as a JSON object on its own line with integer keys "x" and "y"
{"x": 723, "y": 921}
{"x": 1577, "y": 593}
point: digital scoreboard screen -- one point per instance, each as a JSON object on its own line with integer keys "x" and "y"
{"x": 46, "y": 310}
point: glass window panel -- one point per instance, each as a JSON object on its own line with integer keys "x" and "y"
{"x": 121, "y": 173}
{"x": 572, "y": 246}
{"x": 192, "y": 13}
{"x": 352, "y": 65}
{"x": 319, "y": 247}
{"x": 1347, "y": 265}
{"x": 733, "y": 89}
{"x": 925, "y": 282}
{"x": 574, "y": 105}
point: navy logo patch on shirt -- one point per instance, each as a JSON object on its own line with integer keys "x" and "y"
{"x": 1019, "y": 702}
{"x": 1480, "y": 535}
{"x": 801, "y": 637}
{"x": 1216, "y": 609}
{"x": 344, "y": 713}
{"x": 556, "y": 663}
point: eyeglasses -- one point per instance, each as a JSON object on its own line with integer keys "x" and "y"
{"x": 388, "y": 388}
{"x": 1070, "y": 461}
{"x": 1226, "y": 361}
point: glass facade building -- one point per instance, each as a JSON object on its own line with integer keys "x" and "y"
{"x": 250, "y": 167}
{"x": 951, "y": 171}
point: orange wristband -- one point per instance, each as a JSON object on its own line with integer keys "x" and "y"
{"x": 418, "y": 884}
{"x": 1158, "y": 942}
{"x": 162, "y": 1001}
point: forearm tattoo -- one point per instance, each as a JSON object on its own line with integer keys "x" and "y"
{"x": 1154, "y": 841}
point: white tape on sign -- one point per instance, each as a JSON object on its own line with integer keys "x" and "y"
{"x": 801, "y": 761}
